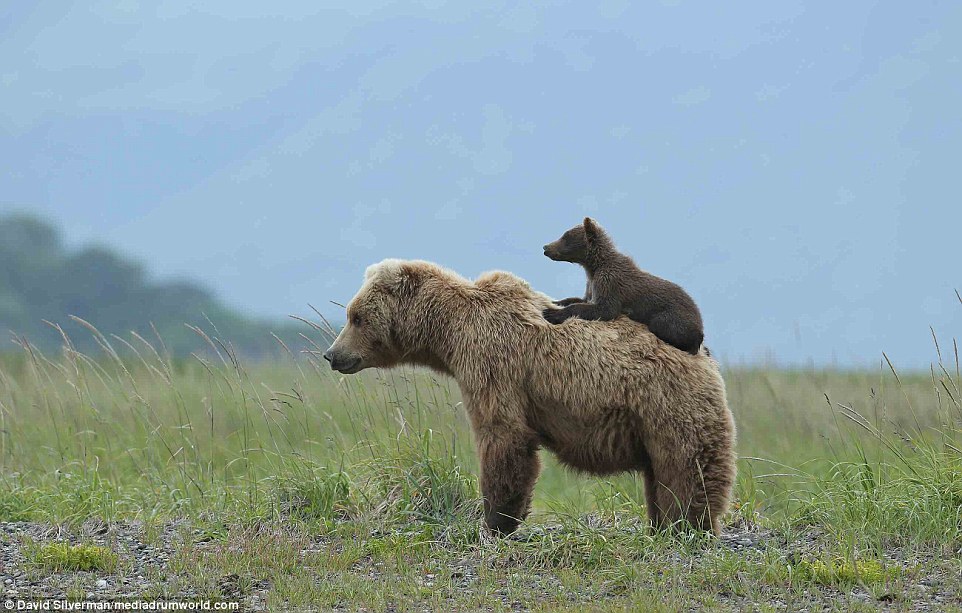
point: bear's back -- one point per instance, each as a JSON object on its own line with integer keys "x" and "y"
{"x": 617, "y": 362}
{"x": 511, "y": 292}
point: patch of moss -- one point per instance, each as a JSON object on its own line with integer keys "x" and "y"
{"x": 848, "y": 572}
{"x": 59, "y": 557}
{"x": 838, "y": 572}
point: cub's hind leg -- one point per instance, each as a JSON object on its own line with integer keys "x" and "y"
{"x": 676, "y": 331}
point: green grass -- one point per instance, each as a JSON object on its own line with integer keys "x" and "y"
{"x": 362, "y": 490}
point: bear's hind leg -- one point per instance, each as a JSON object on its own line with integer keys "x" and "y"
{"x": 700, "y": 511}
{"x": 688, "y": 497}
{"x": 679, "y": 497}
{"x": 651, "y": 497}
{"x": 716, "y": 480}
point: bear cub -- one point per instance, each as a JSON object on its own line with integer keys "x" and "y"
{"x": 617, "y": 286}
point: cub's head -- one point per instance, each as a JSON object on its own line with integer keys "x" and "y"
{"x": 369, "y": 339}
{"x": 574, "y": 245}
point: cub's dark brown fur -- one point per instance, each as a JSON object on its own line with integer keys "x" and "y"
{"x": 617, "y": 286}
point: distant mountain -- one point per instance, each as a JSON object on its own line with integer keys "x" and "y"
{"x": 42, "y": 281}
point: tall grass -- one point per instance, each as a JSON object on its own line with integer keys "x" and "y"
{"x": 133, "y": 433}
{"x": 903, "y": 482}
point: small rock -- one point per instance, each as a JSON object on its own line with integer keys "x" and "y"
{"x": 101, "y": 584}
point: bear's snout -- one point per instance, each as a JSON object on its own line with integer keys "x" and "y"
{"x": 340, "y": 362}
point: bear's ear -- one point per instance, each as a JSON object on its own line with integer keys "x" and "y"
{"x": 394, "y": 276}
{"x": 384, "y": 268}
{"x": 405, "y": 279}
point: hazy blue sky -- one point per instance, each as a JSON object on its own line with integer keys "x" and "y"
{"x": 796, "y": 168}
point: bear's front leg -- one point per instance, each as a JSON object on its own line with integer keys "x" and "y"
{"x": 569, "y": 301}
{"x": 509, "y": 470}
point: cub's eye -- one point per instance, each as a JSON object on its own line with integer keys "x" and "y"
{"x": 357, "y": 321}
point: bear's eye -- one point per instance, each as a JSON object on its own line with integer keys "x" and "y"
{"x": 357, "y": 321}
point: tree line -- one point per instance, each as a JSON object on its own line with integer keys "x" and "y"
{"x": 43, "y": 281}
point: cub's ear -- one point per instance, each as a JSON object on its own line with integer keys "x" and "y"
{"x": 592, "y": 229}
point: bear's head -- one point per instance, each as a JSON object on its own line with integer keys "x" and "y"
{"x": 369, "y": 339}
{"x": 575, "y": 244}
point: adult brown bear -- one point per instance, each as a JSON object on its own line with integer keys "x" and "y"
{"x": 604, "y": 396}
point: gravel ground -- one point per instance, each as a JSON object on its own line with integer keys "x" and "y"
{"x": 930, "y": 582}
{"x": 143, "y": 571}
{"x": 148, "y": 568}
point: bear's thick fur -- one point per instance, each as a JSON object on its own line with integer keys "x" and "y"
{"x": 604, "y": 396}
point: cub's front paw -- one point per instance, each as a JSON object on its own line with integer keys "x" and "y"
{"x": 555, "y": 316}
